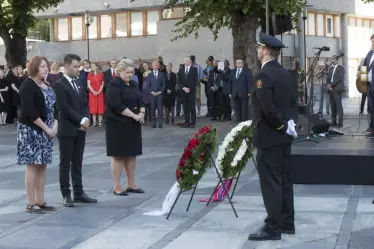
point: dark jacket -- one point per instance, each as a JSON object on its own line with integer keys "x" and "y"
{"x": 157, "y": 84}
{"x": 190, "y": 81}
{"x": 242, "y": 86}
{"x": 337, "y": 83}
{"x": 32, "y": 104}
{"x": 273, "y": 104}
{"x": 72, "y": 107}
{"x": 169, "y": 99}
{"x": 226, "y": 81}
{"x": 119, "y": 97}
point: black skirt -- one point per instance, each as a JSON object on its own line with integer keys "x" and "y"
{"x": 4, "y": 106}
{"x": 123, "y": 140}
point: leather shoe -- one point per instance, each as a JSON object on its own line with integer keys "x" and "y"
{"x": 83, "y": 198}
{"x": 289, "y": 231}
{"x": 68, "y": 202}
{"x": 262, "y": 235}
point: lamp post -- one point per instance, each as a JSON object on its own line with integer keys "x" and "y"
{"x": 87, "y": 22}
{"x": 304, "y": 17}
{"x": 267, "y": 16}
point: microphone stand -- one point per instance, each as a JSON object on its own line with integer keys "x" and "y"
{"x": 310, "y": 102}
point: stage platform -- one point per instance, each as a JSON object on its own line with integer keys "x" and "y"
{"x": 343, "y": 159}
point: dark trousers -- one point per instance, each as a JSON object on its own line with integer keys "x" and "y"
{"x": 226, "y": 106}
{"x": 336, "y": 107}
{"x": 216, "y": 104}
{"x": 169, "y": 112}
{"x": 71, "y": 157}
{"x": 178, "y": 102}
{"x": 241, "y": 107}
{"x": 363, "y": 100}
{"x": 147, "y": 116}
{"x": 276, "y": 187}
{"x": 156, "y": 104}
{"x": 189, "y": 107}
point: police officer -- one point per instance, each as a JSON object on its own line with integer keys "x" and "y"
{"x": 273, "y": 106}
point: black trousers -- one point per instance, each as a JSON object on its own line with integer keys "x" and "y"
{"x": 226, "y": 107}
{"x": 276, "y": 187}
{"x": 169, "y": 111}
{"x": 216, "y": 108}
{"x": 71, "y": 157}
{"x": 241, "y": 106}
{"x": 189, "y": 107}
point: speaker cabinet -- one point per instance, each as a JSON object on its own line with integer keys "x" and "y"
{"x": 317, "y": 124}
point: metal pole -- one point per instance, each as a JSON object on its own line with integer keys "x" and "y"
{"x": 267, "y": 16}
{"x": 88, "y": 41}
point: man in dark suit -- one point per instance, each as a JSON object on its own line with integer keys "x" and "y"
{"x": 369, "y": 63}
{"x": 170, "y": 93}
{"x": 335, "y": 86}
{"x": 274, "y": 108}
{"x": 241, "y": 84}
{"x": 226, "y": 92}
{"x": 215, "y": 84}
{"x": 187, "y": 81}
{"x": 73, "y": 122}
{"x": 110, "y": 73}
{"x": 157, "y": 85}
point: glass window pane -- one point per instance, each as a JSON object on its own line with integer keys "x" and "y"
{"x": 311, "y": 24}
{"x": 152, "y": 19}
{"x": 121, "y": 25}
{"x": 76, "y": 28}
{"x": 63, "y": 29}
{"x": 367, "y": 24}
{"x": 93, "y": 28}
{"x": 337, "y": 26}
{"x": 372, "y": 26}
{"x": 172, "y": 13}
{"x": 352, "y": 22}
{"x": 320, "y": 26}
{"x": 136, "y": 23}
{"x": 106, "y": 26}
{"x": 329, "y": 25}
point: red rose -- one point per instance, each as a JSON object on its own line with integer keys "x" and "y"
{"x": 178, "y": 174}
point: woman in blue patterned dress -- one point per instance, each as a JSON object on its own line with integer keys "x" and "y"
{"x": 36, "y": 128}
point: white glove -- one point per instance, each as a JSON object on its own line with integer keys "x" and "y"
{"x": 291, "y": 128}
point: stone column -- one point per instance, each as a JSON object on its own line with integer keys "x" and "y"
{"x": 52, "y": 30}
{"x": 345, "y": 50}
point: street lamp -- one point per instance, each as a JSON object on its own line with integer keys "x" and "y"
{"x": 87, "y": 22}
{"x": 304, "y": 17}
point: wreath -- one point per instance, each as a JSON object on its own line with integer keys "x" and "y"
{"x": 196, "y": 157}
{"x": 233, "y": 153}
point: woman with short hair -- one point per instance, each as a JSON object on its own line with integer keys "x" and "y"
{"x": 124, "y": 113}
{"x": 36, "y": 128}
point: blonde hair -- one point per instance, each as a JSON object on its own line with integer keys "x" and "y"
{"x": 123, "y": 65}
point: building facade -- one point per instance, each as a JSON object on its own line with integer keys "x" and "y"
{"x": 143, "y": 29}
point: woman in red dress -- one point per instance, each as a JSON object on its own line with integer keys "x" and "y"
{"x": 95, "y": 83}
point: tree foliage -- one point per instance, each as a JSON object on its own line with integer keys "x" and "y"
{"x": 16, "y": 17}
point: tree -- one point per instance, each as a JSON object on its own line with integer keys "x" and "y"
{"x": 241, "y": 16}
{"x": 16, "y": 17}
{"x": 41, "y": 29}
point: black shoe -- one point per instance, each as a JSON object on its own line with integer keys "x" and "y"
{"x": 340, "y": 125}
{"x": 187, "y": 125}
{"x": 333, "y": 124}
{"x": 167, "y": 122}
{"x": 289, "y": 230}
{"x": 263, "y": 235}
{"x": 154, "y": 126}
{"x": 68, "y": 202}
{"x": 213, "y": 119}
{"x": 160, "y": 126}
{"x": 192, "y": 126}
{"x": 83, "y": 198}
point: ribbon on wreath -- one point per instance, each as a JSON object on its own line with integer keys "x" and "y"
{"x": 168, "y": 202}
{"x": 220, "y": 193}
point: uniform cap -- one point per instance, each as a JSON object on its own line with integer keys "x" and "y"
{"x": 270, "y": 41}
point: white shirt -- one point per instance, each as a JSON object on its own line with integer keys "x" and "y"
{"x": 265, "y": 63}
{"x": 370, "y": 72}
{"x": 74, "y": 86}
{"x": 155, "y": 73}
{"x": 187, "y": 69}
{"x": 333, "y": 72}
{"x": 238, "y": 71}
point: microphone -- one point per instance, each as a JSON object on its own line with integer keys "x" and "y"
{"x": 341, "y": 54}
{"x": 324, "y": 48}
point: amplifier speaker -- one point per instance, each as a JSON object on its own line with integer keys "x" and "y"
{"x": 317, "y": 124}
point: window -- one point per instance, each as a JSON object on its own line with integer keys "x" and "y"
{"x": 106, "y": 26}
{"x": 329, "y": 26}
{"x": 372, "y": 26}
{"x": 311, "y": 28}
{"x": 367, "y": 30}
{"x": 359, "y": 28}
{"x": 337, "y": 26}
{"x": 136, "y": 23}
{"x": 320, "y": 26}
{"x": 92, "y": 30}
{"x": 76, "y": 28}
{"x": 152, "y": 19}
{"x": 121, "y": 25}
{"x": 172, "y": 13}
{"x": 63, "y": 29}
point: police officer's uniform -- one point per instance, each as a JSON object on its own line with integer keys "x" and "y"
{"x": 273, "y": 106}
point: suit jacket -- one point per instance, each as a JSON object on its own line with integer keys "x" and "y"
{"x": 226, "y": 81}
{"x": 108, "y": 77}
{"x": 72, "y": 107}
{"x": 215, "y": 82}
{"x": 191, "y": 80}
{"x": 242, "y": 86}
{"x": 273, "y": 104}
{"x": 337, "y": 83}
{"x": 169, "y": 99}
{"x": 157, "y": 84}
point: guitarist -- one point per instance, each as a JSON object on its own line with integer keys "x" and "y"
{"x": 369, "y": 63}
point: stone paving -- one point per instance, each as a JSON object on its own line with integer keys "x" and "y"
{"x": 327, "y": 216}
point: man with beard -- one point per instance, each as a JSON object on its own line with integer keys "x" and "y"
{"x": 274, "y": 108}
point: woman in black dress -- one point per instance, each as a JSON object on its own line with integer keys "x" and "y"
{"x": 170, "y": 93}
{"x": 124, "y": 113}
{"x": 4, "y": 98}
{"x": 15, "y": 83}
